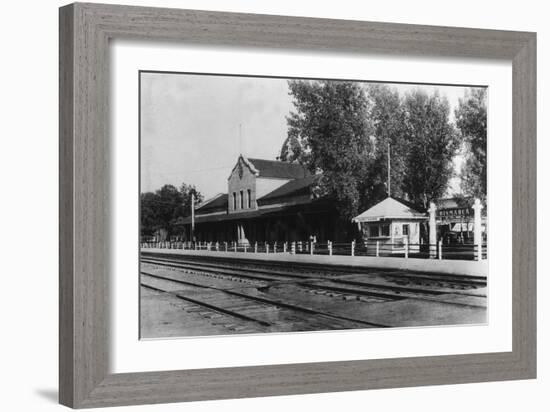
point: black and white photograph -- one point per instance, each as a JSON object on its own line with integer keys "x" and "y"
{"x": 279, "y": 205}
{"x": 247, "y": 206}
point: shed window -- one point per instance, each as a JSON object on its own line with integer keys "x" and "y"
{"x": 385, "y": 230}
{"x": 406, "y": 230}
{"x": 374, "y": 232}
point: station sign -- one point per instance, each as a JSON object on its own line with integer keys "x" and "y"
{"x": 454, "y": 214}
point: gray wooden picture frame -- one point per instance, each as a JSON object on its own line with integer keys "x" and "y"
{"x": 85, "y": 31}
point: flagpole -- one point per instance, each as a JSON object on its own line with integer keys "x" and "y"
{"x": 240, "y": 138}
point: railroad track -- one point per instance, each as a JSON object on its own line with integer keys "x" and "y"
{"x": 244, "y": 296}
{"x": 388, "y": 284}
{"x": 312, "y": 268}
{"x": 263, "y": 313}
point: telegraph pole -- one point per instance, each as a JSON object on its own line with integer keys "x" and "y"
{"x": 389, "y": 171}
{"x": 192, "y": 217}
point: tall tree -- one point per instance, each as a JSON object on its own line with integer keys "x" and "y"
{"x": 164, "y": 208}
{"x": 388, "y": 116}
{"x": 186, "y": 192}
{"x": 169, "y": 201}
{"x": 329, "y": 131}
{"x": 184, "y": 208}
{"x": 293, "y": 150}
{"x": 148, "y": 213}
{"x": 432, "y": 145}
{"x": 471, "y": 120}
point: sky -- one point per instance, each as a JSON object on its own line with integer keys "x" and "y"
{"x": 193, "y": 127}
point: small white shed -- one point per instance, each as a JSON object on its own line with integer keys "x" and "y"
{"x": 391, "y": 222}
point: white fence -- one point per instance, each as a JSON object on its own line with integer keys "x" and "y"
{"x": 379, "y": 249}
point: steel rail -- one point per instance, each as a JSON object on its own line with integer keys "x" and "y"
{"x": 207, "y": 305}
{"x": 459, "y": 279}
{"x": 232, "y": 270}
{"x": 268, "y": 301}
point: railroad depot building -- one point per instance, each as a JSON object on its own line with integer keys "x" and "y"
{"x": 266, "y": 201}
{"x": 272, "y": 201}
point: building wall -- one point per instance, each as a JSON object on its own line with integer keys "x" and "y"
{"x": 241, "y": 178}
{"x": 395, "y": 231}
{"x": 284, "y": 228}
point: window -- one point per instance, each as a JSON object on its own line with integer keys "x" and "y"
{"x": 406, "y": 230}
{"x": 242, "y": 199}
{"x": 374, "y": 231}
{"x": 385, "y": 230}
{"x": 234, "y": 201}
{"x": 249, "y": 198}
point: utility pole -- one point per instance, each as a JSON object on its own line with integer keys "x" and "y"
{"x": 389, "y": 171}
{"x": 192, "y": 217}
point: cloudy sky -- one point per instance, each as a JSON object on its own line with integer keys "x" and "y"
{"x": 193, "y": 127}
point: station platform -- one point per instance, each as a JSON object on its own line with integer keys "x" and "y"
{"x": 448, "y": 267}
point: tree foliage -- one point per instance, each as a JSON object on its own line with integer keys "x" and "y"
{"x": 341, "y": 130}
{"x": 471, "y": 120}
{"x": 329, "y": 132}
{"x": 388, "y": 117}
{"x": 162, "y": 209}
{"x": 432, "y": 145}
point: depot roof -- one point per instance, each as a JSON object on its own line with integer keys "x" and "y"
{"x": 214, "y": 204}
{"x": 314, "y": 206}
{"x": 294, "y": 188}
{"x": 390, "y": 208}
{"x": 278, "y": 169}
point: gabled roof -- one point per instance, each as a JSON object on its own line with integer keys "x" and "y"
{"x": 296, "y": 187}
{"x": 215, "y": 203}
{"x": 278, "y": 169}
{"x": 313, "y": 207}
{"x": 390, "y": 208}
